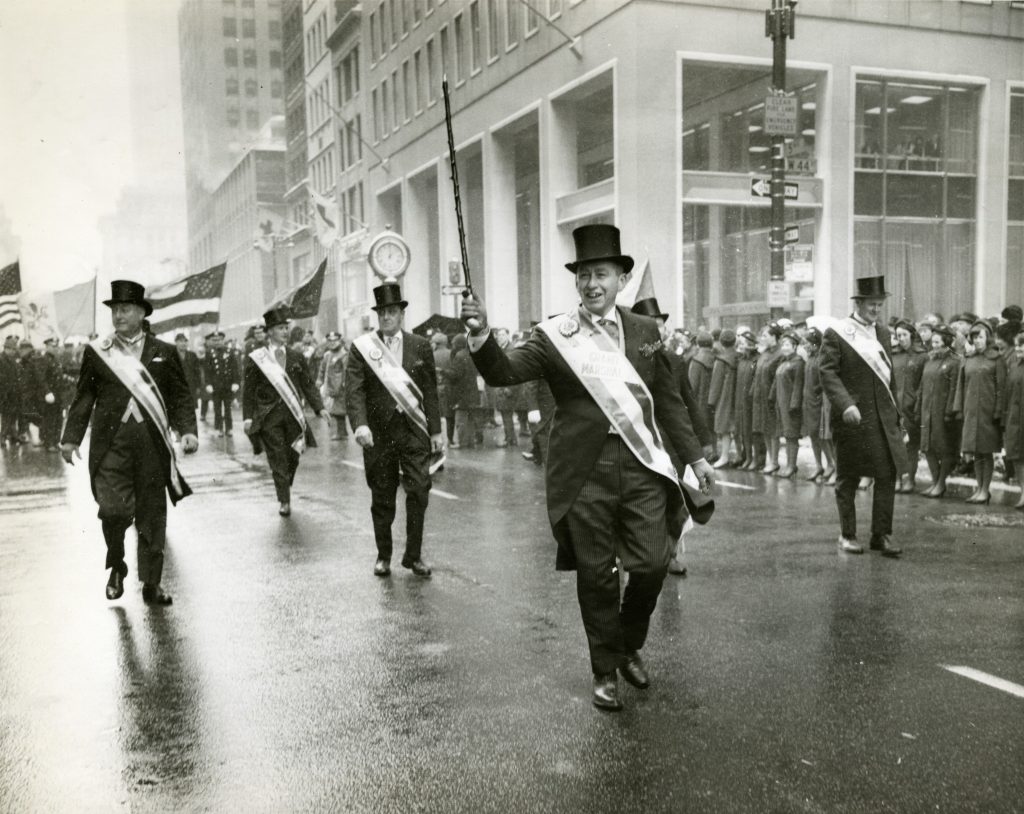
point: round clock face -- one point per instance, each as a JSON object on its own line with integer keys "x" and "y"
{"x": 389, "y": 256}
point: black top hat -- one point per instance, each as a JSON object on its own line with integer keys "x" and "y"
{"x": 598, "y": 241}
{"x": 388, "y": 294}
{"x": 277, "y": 316}
{"x": 649, "y": 308}
{"x": 870, "y": 288}
{"x": 130, "y": 292}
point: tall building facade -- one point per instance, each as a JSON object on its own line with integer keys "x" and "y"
{"x": 232, "y": 83}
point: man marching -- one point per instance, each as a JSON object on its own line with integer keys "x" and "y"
{"x": 391, "y": 394}
{"x": 133, "y": 388}
{"x": 857, "y": 376}
{"x": 220, "y": 372}
{"x": 272, "y": 414}
{"x": 613, "y": 490}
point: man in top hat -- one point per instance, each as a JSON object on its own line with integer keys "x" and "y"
{"x": 272, "y": 413}
{"x": 857, "y": 376}
{"x": 613, "y": 491}
{"x": 133, "y": 388}
{"x": 391, "y": 392}
{"x": 221, "y": 376}
{"x": 10, "y": 393}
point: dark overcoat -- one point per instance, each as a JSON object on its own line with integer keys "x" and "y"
{"x": 698, "y": 417}
{"x": 908, "y": 365}
{"x": 580, "y": 427}
{"x": 190, "y": 364}
{"x": 260, "y": 397}
{"x": 101, "y": 397}
{"x": 935, "y": 403}
{"x": 744, "y": 400}
{"x": 813, "y": 397}
{"x": 463, "y": 393}
{"x": 875, "y": 447}
{"x": 979, "y": 398}
{"x": 789, "y": 395}
{"x": 764, "y": 419}
{"x": 1013, "y": 413}
{"x": 722, "y": 393}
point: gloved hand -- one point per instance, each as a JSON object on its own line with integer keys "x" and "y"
{"x": 364, "y": 436}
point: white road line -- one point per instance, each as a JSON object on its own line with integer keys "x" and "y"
{"x": 732, "y": 485}
{"x": 353, "y": 464}
{"x": 986, "y": 678}
{"x": 438, "y": 492}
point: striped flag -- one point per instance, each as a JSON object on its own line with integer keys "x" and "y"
{"x": 326, "y": 218}
{"x": 75, "y": 308}
{"x": 304, "y": 299}
{"x": 192, "y": 301}
{"x": 10, "y": 289}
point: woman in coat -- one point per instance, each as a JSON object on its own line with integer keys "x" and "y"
{"x": 813, "y": 401}
{"x": 699, "y": 372}
{"x": 765, "y": 420}
{"x": 940, "y": 440}
{"x": 743, "y": 407}
{"x": 464, "y": 395}
{"x": 722, "y": 395}
{"x": 978, "y": 400}
{"x": 788, "y": 392}
{"x": 908, "y": 358}
{"x": 1013, "y": 414}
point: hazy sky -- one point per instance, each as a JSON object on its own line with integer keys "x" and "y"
{"x": 67, "y": 134}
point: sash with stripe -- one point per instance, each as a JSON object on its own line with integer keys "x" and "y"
{"x": 134, "y": 376}
{"x": 867, "y": 348}
{"x": 265, "y": 361}
{"x": 394, "y": 377}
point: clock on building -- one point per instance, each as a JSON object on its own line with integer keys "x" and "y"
{"x": 389, "y": 255}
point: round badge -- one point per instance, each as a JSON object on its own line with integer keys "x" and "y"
{"x": 376, "y": 355}
{"x": 568, "y": 327}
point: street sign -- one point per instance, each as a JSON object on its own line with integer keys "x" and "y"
{"x": 804, "y": 166}
{"x": 762, "y": 188}
{"x": 792, "y": 234}
{"x": 780, "y": 115}
{"x": 454, "y": 271}
{"x": 800, "y": 263}
{"x": 452, "y": 289}
{"x": 778, "y": 294}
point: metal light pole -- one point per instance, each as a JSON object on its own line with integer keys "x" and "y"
{"x": 780, "y": 24}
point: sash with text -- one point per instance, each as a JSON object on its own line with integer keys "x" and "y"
{"x": 277, "y": 377}
{"x": 394, "y": 378}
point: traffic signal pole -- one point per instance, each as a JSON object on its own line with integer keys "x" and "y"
{"x": 780, "y": 24}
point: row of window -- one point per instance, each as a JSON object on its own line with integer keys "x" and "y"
{"x": 250, "y": 58}
{"x": 230, "y": 28}
{"x": 347, "y": 74}
{"x": 252, "y": 118}
{"x": 392, "y": 19}
{"x": 316, "y": 40}
{"x": 321, "y": 171}
{"x": 231, "y": 87}
{"x": 350, "y": 142}
{"x": 318, "y": 107}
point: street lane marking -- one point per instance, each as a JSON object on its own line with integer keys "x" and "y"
{"x": 986, "y": 678}
{"x": 732, "y": 485}
{"x": 438, "y": 492}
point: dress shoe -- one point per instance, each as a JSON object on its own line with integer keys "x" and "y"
{"x": 770, "y": 470}
{"x": 418, "y": 567}
{"x": 850, "y": 546}
{"x": 606, "y": 692}
{"x": 381, "y": 568}
{"x": 813, "y": 477}
{"x": 983, "y": 501}
{"x": 676, "y": 567}
{"x": 285, "y": 510}
{"x": 885, "y": 547}
{"x": 115, "y": 585}
{"x": 634, "y": 672}
{"x": 788, "y": 472}
{"x": 153, "y": 594}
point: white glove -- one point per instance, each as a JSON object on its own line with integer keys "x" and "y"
{"x": 234, "y": 388}
{"x": 49, "y": 399}
{"x": 364, "y": 436}
{"x": 533, "y": 416}
{"x": 209, "y": 388}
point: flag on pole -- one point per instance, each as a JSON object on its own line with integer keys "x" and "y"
{"x": 640, "y": 286}
{"x": 326, "y": 218}
{"x": 75, "y": 309}
{"x": 304, "y": 299}
{"x": 190, "y": 301}
{"x": 38, "y": 316}
{"x": 10, "y": 290}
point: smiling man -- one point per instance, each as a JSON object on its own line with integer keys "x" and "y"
{"x": 620, "y": 436}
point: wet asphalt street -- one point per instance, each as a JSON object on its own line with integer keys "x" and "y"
{"x": 286, "y": 677}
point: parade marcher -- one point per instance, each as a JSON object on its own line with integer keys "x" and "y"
{"x": 190, "y": 364}
{"x": 857, "y": 377}
{"x": 11, "y": 386}
{"x": 979, "y": 402}
{"x": 221, "y": 381}
{"x": 1013, "y": 413}
{"x": 133, "y": 388}
{"x": 940, "y": 437}
{"x": 50, "y": 408}
{"x": 505, "y": 398}
{"x": 392, "y": 403}
{"x": 31, "y": 392}
{"x": 612, "y": 488}
{"x": 722, "y": 396}
{"x": 70, "y": 360}
{"x": 814, "y": 408}
{"x": 788, "y": 392}
{"x": 272, "y": 414}
{"x": 743, "y": 405}
{"x": 908, "y": 360}
{"x": 442, "y": 367}
{"x": 765, "y": 419}
{"x": 330, "y": 381}
{"x": 464, "y": 395}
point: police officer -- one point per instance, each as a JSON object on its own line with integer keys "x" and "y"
{"x": 221, "y": 376}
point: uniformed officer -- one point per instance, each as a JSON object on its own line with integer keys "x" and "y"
{"x": 10, "y": 393}
{"x": 51, "y": 411}
{"x": 221, "y": 376}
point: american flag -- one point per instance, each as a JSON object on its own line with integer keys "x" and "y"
{"x": 10, "y": 289}
{"x": 192, "y": 301}
{"x": 304, "y": 299}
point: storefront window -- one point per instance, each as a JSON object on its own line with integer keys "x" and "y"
{"x": 1015, "y": 202}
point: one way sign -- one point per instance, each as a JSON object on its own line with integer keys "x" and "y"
{"x": 762, "y": 188}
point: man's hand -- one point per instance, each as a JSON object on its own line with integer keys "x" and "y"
{"x": 247, "y": 426}
{"x": 436, "y": 442}
{"x": 209, "y": 389}
{"x": 68, "y": 451}
{"x": 851, "y": 416}
{"x": 234, "y": 388}
{"x": 324, "y": 415}
{"x": 474, "y": 314}
{"x": 49, "y": 398}
{"x": 189, "y": 443}
{"x": 364, "y": 436}
{"x": 533, "y": 417}
{"x": 705, "y": 475}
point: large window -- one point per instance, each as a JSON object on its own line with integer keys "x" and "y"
{"x": 915, "y": 182}
{"x": 1015, "y": 202}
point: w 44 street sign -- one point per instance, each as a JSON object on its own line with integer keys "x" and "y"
{"x": 762, "y": 188}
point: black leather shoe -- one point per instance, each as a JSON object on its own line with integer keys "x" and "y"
{"x": 285, "y": 510}
{"x": 606, "y": 692}
{"x": 634, "y": 671}
{"x": 418, "y": 567}
{"x": 154, "y": 595}
{"x": 115, "y": 585}
{"x": 850, "y": 545}
{"x": 884, "y": 546}
{"x": 381, "y": 568}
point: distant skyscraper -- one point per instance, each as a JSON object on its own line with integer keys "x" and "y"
{"x": 231, "y": 84}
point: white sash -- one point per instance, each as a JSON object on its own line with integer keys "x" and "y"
{"x": 131, "y": 373}
{"x": 867, "y": 348}
{"x": 394, "y": 377}
{"x": 264, "y": 359}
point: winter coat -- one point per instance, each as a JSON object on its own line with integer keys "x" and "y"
{"x": 979, "y": 395}
{"x": 722, "y": 393}
{"x": 788, "y": 390}
{"x": 743, "y": 405}
{"x": 935, "y": 403}
{"x": 462, "y": 391}
{"x": 1013, "y": 413}
{"x": 765, "y": 420}
{"x": 812, "y": 399}
{"x": 908, "y": 365}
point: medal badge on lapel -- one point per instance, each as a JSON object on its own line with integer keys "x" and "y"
{"x": 376, "y": 355}
{"x": 568, "y": 327}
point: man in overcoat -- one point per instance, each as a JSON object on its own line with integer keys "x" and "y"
{"x": 612, "y": 485}
{"x": 133, "y": 389}
{"x": 857, "y": 377}
{"x": 272, "y": 412}
{"x": 222, "y": 382}
{"x": 190, "y": 365}
{"x": 391, "y": 393}
{"x": 51, "y": 411}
